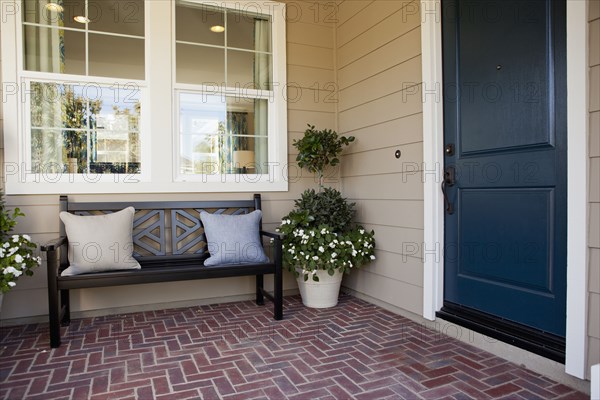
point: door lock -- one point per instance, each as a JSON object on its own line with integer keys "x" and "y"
{"x": 450, "y": 176}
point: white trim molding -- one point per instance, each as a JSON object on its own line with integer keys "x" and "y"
{"x": 433, "y": 157}
{"x": 577, "y": 188}
{"x": 577, "y": 209}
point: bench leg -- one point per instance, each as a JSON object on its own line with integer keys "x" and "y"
{"x": 260, "y": 299}
{"x": 278, "y": 293}
{"x": 54, "y": 315}
{"x": 65, "y": 301}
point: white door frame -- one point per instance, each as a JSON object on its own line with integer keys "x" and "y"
{"x": 577, "y": 187}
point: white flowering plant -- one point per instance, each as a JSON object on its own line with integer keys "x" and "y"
{"x": 319, "y": 233}
{"x": 16, "y": 251}
{"x": 308, "y": 247}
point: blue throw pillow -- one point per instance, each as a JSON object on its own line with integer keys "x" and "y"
{"x": 233, "y": 239}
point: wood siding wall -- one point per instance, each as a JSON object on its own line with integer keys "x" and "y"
{"x": 594, "y": 188}
{"x": 378, "y": 57}
{"x": 310, "y": 73}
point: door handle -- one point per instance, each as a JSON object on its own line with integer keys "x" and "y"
{"x": 448, "y": 181}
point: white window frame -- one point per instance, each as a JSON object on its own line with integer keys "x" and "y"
{"x": 275, "y": 176}
{"x": 158, "y": 172}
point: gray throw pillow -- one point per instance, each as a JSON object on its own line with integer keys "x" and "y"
{"x": 99, "y": 242}
{"x": 233, "y": 239}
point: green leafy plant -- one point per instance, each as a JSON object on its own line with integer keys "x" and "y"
{"x": 319, "y": 149}
{"x": 319, "y": 232}
{"x": 16, "y": 251}
{"x": 327, "y": 207}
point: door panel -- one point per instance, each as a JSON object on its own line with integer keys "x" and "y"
{"x": 505, "y": 117}
{"x": 513, "y": 96}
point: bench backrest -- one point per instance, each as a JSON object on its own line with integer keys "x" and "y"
{"x": 165, "y": 228}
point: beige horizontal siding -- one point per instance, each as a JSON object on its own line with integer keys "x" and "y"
{"x": 379, "y": 75}
{"x": 387, "y": 212}
{"x": 309, "y": 56}
{"x": 398, "y": 240}
{"x": 403, "y": 130}
{"x": 386, "y": 31}
{"x": 393, "y": 53}
{"x": 316, "y": 13}
{"x": 310, "y": 34}
{"x": 366, "y": 19}
{"x": 309, "y": 77}
{"x": 383, "y": 161}
{"x": 379, "y": 85}
{"x": 406, "y": 186}
{"x": 403, "y": 103}
{"x": 350, "y": 9}
{"x": 387, "y": 290}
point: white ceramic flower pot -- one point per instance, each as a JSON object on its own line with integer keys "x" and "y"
{"x": 322, "y": 294}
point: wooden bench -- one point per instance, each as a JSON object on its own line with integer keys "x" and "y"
{"x": 169, "y": 244}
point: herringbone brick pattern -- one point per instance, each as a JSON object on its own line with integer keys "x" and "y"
{"x": 237, "y": 351}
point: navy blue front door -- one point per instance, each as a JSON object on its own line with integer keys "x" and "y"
{"x": 505, "y": 157}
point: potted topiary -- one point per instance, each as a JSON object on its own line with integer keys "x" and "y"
{"x": 321, "y": 242}
{"x": 16, "y": 251}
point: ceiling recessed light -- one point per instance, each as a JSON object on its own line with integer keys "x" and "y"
{"x": 54, "y": 7}
{"x": 81, "y": 19}
{"x": 217, "y": 29}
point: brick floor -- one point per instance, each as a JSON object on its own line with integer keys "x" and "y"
{"x": 236, "y": 351}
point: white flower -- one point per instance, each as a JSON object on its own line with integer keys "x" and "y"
{"x": 38, "y": 260}
{"x": 291, "y": 251}
{"x": 331, "y": 245}
{"x": 349, "y": 243}
{"x": 307, "y": 256}
{"x": 323, "y": 231}
{"x": 321, "y": 249}
{"x": 312, "y": 233}
{"x": 6, "y": 245}
{"x": 10, "y": 270}
{"x": 316, "y": 258}
{"x": 333, "y": 255}
{"x": 314, "y": 272}
{"x": 18, "y": 259}
{"x": 1, "y": 252}
{"x": 26, "y": 237}
{"x": 12, "y": 251}
{"x": 362, "y": 231}
{"x": 15, "y": 238}
{"x": 354, "y": 253}
{"x": 12, "y": 284}
{"x": 365, "y": 244}
{"x": 372, "y": 257}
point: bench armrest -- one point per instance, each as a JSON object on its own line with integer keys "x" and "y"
{"x": 54, "y": 244}
{"x": 272, "y": 235}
